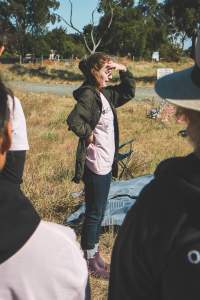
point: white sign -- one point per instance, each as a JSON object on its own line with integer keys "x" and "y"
{"x": 163, "y": 72}
{"x": 155, "y": 56}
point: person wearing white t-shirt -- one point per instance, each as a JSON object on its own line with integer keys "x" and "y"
{"x": 38, "y": 260}
{"x": 13, "y": 169}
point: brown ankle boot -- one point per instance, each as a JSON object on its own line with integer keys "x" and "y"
{"x": 101, "y": 262}
{"x": 95, "y": 270}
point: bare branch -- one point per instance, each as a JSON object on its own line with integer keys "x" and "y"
{"x": 92, "y": 30}
{"x": 71, "y": 25}
{"x": 108, "y": 26}
{"x": 86, "y": 44}
{"x": 71, "y": 12}
{"x": 111, "y": 15}
{"x": 77, "y": 30}
{"x": 93, "y": 16}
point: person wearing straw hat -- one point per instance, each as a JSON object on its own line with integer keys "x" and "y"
{"x": 156, "y": 255}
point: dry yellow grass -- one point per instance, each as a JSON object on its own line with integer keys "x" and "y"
{"x": 145, "y": 72}
{"x": 50, "y": 161}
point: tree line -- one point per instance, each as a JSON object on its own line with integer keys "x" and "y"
{"x": 125, "y": 28}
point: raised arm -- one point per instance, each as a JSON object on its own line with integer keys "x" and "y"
{"x": 125, "y": 91}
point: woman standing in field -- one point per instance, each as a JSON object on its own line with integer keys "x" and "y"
{"x": 94, "y": 121}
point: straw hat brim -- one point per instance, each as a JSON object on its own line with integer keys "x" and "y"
{"x": 179, "y": 89}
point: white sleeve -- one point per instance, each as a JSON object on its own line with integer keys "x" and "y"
{"x": 71, "y": 266}
{"x": 50, "y": 266}
{"x": 19, "y": 136}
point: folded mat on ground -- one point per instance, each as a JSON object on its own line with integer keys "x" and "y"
{"x": 122, "y": 196}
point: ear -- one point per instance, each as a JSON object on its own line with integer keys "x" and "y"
{"x": 182, "y": 119}
{"x": 93, "y": 72}
{"x": 5, "y": 142}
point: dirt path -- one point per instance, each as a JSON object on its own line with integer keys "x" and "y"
{"x": 67, "y": 89}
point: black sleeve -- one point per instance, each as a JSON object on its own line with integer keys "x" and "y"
{"x": 129, "y": 278}
{"x": 80, "y": 117}
{"x": 123, "y": 92}
{"x": 181, "y": 279}
{"x": 14, "y": 167}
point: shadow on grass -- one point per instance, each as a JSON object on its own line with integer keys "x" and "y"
{"x": 145, "y": 79}
{"x": 46, "y": 73}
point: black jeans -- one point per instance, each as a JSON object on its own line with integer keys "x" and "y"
{"x": 96, "y": 195}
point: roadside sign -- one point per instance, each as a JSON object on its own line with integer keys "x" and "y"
{"x": 163, "y": 72}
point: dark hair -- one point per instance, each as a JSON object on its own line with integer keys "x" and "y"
{"x": 4, "y": 110}
{"x": 95, "y": 61}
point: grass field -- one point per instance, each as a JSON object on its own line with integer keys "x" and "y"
{"x": 50, "y": 161}
{"x": 145, "y": 72}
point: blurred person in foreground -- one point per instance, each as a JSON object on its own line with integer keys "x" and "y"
{"x": 38, "y": 260}
{"x": 156, "y": 255}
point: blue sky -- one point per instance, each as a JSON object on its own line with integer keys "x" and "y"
{"x": 82, "y": 12}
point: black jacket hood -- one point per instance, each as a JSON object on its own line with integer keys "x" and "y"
{"x": 85, "y": 86}
{"x": 18, "y": 219}
{"x": 184, "y": 174}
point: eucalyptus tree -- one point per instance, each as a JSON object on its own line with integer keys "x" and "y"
{"x": 19, "y": 18}
{"x": 184, "y": 18}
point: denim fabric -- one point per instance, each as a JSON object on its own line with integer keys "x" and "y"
{"x": 96, "y": 195}
{"x": 122, "y": 195}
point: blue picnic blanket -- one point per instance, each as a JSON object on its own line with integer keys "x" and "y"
{"x": 123, "y": 194}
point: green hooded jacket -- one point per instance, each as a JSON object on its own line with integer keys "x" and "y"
{"x": 86, "y": 114}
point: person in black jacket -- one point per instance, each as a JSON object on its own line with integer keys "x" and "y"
{"x": 94, "y": 121}
{"x": 156, "y": 255}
